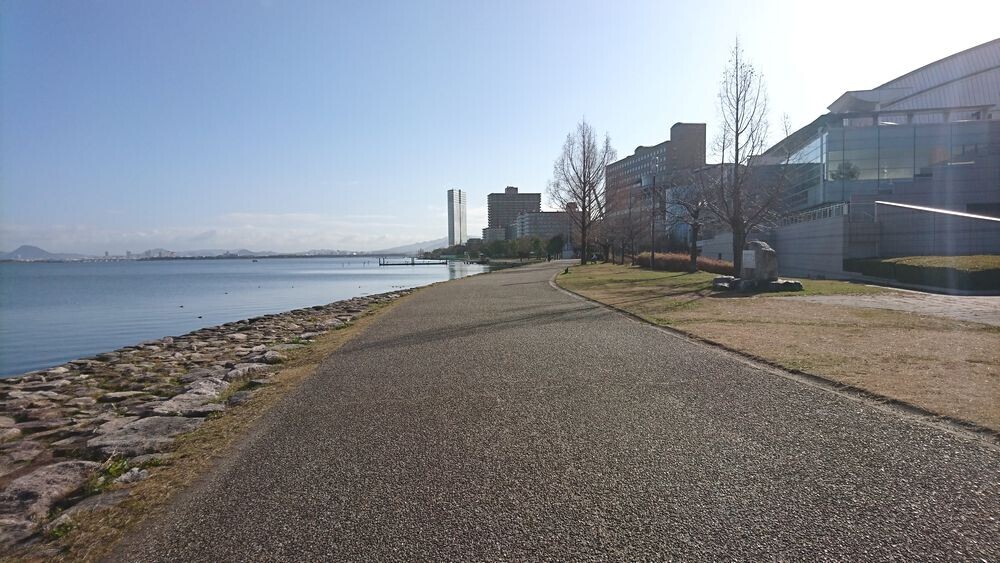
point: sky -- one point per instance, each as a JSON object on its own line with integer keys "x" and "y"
{"x": 297, "y": 125}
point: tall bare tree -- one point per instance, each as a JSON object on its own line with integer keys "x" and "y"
{"x": 746, "y": 191}
{"x": 687, "y": 197}
{"x": 627, "y": 224}
{"x": 578, "y": 178}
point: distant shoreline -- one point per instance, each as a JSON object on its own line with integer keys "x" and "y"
{"x": 221, "y": 257}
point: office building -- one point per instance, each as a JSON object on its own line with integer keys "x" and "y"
{"x": 652, "y": 166}
{"x": 456, "y": 217}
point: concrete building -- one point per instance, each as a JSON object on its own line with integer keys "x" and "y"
{"x": 543, "y": 225}
{"x": 504, "y": 208}
{"x": 491, "y": 234}
{"x": 651, "y": 166}
{"x": 911, "y": 167}
{"x": 456, "y": 217}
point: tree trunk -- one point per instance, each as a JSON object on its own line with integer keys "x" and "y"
{"x": 693, "y": 249}
{"x": 739, "y": 241}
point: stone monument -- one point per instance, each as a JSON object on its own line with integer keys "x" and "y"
{"x": 760, "y": 263}
{"x": 759, "y": 272}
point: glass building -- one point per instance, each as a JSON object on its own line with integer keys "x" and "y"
{"x": 905, "y": 141}
{"x": 842, "y": 162}
{"x": 910, "y": 168}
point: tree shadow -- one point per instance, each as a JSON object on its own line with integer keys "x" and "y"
{"x": 494, "y": 327}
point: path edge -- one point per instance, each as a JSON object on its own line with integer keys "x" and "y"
{"x": 954, "y": 425}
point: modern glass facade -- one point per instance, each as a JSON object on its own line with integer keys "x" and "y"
{"x": 846, "y": 158}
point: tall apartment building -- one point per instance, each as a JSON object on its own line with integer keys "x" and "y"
{"x": 504, "y": 208}
{"x": 456, "y": 217}
{"x": 651, "y": 165}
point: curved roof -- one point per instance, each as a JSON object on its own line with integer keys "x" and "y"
{"x": 970, "y": 78}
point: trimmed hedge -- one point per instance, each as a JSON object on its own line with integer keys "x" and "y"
{"x": 934, "y": 276}
{"x": 675, "y": 262}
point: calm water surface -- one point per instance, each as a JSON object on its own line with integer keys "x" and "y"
{"x": 52, "y": 313}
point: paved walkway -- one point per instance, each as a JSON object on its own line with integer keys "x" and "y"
{"x": 496, "y": 418}
{"x": 976, "y": 309}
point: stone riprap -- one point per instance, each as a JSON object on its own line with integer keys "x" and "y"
{"x": 63, "y": 429}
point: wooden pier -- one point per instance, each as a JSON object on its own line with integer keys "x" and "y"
{"x": 382, "y": 261}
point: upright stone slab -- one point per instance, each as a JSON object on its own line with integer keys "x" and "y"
{"x": 760, "y": 263}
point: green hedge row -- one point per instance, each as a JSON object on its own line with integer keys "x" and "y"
{"x": 951, "y": 278}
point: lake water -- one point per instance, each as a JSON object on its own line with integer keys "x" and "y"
{"x": 54, "y": 312}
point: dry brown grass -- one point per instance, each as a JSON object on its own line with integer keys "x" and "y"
{"x": 944, "y": 366}
{"x": 195, "y": 454}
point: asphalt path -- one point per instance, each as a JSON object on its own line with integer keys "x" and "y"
{"x": 495, "y": 417}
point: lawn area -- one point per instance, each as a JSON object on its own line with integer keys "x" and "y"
{"x": 969, "y": 273}
{"x": 946, "y": 366}
{"x": 977, "y": 263}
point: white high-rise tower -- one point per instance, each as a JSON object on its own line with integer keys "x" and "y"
{"x": 456, "y": 217}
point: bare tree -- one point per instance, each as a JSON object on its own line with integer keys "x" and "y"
{"x": 687, "y": 198}
{"x": 627, "y": 224}
{"x": 746, "y": 193}
{"x": 578, "y": 178}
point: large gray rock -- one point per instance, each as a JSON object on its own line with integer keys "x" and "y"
{"x": 116, "y": 396}
{"x": 193, "y": 401}
{"x": 143, "y": 436}
{"x": 272, "y": 357}
{"x": 760, "y": 263}
{"x": 245, "y": 371}
{"x": 33, "y": 495}
{"x": 201, "y": 373}
{"x": 87, "y": 506}
{"x": 16, "y": 455}
{"x": 14, "y": 529}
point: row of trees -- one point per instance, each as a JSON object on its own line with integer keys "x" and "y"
{"x": 521, "y": 248}
{"x": 741, "y": 193}
{"x": 524, "y": 247}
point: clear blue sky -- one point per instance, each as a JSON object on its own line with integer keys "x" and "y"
{"x": 289, "y": 125}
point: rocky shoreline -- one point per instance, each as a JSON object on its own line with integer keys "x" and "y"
{"x": 73, "y": 437}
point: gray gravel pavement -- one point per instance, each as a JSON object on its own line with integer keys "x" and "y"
{"x": 496, "y": 418}
{"x": 975, "y": 309}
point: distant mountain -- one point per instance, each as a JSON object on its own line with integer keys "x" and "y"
{"x": 415, "y": 247}
{"x": 31, "y": 253}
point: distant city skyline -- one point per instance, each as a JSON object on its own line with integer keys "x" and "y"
{"x": 290, "y": 126}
